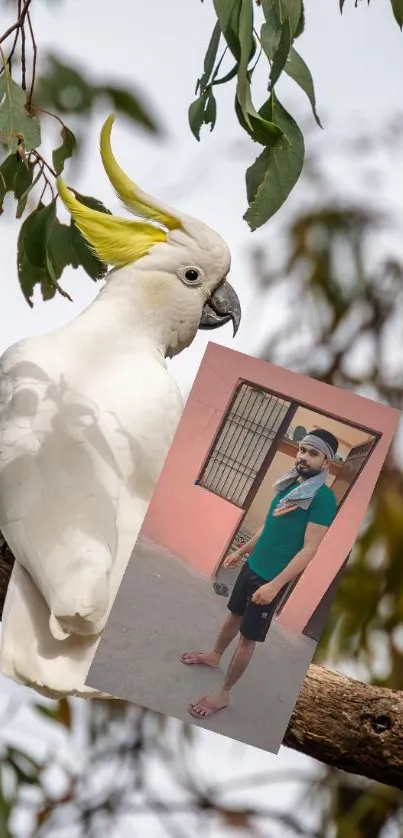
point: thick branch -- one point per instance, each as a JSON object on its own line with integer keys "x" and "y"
{"x": 349, "y": 725}
{"x": 338, "y": 721}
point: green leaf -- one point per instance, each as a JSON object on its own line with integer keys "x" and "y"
{"x": 16, "y": 124}
{"x": 65, "y": 150}
{"x": 261, "y": 130}
{"x": 125, "y": 102}
{"x": 8, "y": 171}
{"x": 91, "y": 202}
{"x": 22, "y": 199}
{"x": 281, "y": 54}
{"x": 196, "y": 114}
{"x": 397, "y": 8}
{"x": 276, "y": 12}
{"x": 284, "y": 22}
{"x": 203, "y": 111}
{"x": 296, "y": 68}
{"x": 64, "y": 88}
{"x": 210, "y": 115}
{"x": 36, "y": 231}
{"x": 209, "y": 59}
{"x": 274, "y": 174}
{"x": 228, "y": 76}
{"x": 60, "y": 250}
{"x": 85, "y": 256}
{"x": 227, "y": 12}
{"x": 32, "y": 248}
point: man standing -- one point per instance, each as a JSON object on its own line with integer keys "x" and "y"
{"x": 301, "y": 512}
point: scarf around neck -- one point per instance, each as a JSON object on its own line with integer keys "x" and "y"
{"x": 303, "y": 494}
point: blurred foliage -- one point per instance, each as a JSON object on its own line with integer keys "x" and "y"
{"x": 340, "y": 262}
{"x": 33, "y": 91}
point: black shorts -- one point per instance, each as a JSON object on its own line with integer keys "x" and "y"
{"x": 256, "y": 619}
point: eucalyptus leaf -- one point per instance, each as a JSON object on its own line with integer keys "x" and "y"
{"x": 228, "y": 12}
{"x": 60, "y": 251}
{"x": 274, "y": 174}
{"x": 196, "y": 114}
{"x": 126, "y": 102}
{"x": 36, "y": 231}
{"x": 8, "y": 171}
{"x": 281, "y": 53}
{"x": 276, "y": 12}
{"x": 209, "y": 59}
{"x": 210, "y": 114}
{"x": 261, "y": 130}
{"x": 85, "y": 255}
{"x": 92, "y": 203}
{"x": 65, "y": 150}
{"x": 296, "y": 68}
{"x": 397, "y": 8}
{"x": 64, "y": 88}
{"x": 16, "y": 124}
{"x": 32, "y": 248}
{"x": 23, "y": 198}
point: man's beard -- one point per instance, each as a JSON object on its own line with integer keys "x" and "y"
{"x": 306, "y": 472}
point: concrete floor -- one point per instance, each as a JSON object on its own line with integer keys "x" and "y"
{"x": 164, "y": 608}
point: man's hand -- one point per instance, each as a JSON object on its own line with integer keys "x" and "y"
{"x": 233, "y": 559}
{"x": 265, "y": 594}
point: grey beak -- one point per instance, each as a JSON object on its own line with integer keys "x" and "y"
{"x": 222, "y": 307}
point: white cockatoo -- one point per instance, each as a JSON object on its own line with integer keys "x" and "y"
{"x": 87, "y": 415}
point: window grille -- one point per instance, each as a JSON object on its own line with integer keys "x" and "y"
{"x": 243, "y": 442}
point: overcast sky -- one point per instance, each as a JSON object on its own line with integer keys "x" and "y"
{"x": 356, "y": 61}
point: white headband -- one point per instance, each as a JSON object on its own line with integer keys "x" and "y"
{"x": 318, "y": 443}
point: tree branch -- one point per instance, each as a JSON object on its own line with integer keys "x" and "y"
{"x": 339, "y": 721}
{"x": 349, "y": 725}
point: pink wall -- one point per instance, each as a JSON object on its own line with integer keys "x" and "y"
{"x": 189, "y": 521}
{"x": 197, "y": 526}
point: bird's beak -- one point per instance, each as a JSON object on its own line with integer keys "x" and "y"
{"x": 220, "y": 308}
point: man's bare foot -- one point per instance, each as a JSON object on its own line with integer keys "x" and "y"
{"x": 209, "y": 704}
{"x": 201, "y": 658}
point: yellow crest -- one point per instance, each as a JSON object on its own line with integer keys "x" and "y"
{"x": 120, "y": 241}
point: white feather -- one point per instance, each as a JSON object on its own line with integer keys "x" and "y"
{"x": 87, "y": 415}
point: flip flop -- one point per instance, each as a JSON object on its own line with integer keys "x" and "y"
{"x": 194, "y": 661}
{"x": 212, "y": 710}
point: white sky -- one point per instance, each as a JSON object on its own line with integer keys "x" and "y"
{"x": 356, "y": 61}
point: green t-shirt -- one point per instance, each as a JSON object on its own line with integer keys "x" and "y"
{"x": 283, "y": 537}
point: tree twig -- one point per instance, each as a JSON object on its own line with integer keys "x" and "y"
{"x": 18, "y": 23}
{"x": 34, "y": 60}
{"x": 23, "y": 59}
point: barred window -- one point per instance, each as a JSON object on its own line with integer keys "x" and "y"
{"x": 243, "y": 442}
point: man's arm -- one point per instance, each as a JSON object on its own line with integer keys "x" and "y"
{"x": 314, "y": 534}
{"x": 246, "y": 548}
{"x": 234, "y": 558}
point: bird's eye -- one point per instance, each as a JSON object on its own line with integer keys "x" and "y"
{"x": 191, "y": 275}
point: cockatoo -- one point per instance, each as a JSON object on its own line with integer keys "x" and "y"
{"x": 87, "y": 415}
